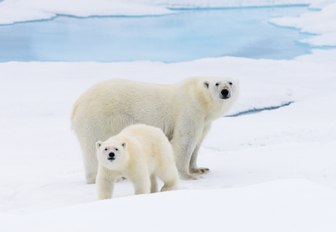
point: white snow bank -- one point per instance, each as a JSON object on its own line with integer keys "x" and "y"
{"x": 225, "y": 3}
{"x": 322, "y": 23}
{"x": 328, "y": 39}
{"x": 284, "y": 205}
{"x": 327, "y": 56}
{"x": 240, "y": 3}
{"x": 234, "y": 3}
{"x": 269, "y": 75}
{"x": 11, "y": 14}
{"x": 12, "y": 11}
{"x": 40, "y": 160}
{"x": 319, "y": 4}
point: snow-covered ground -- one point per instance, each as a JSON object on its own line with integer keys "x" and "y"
{"x": 287, "y": 205}
{"x": 321, "y": 23}
{"x": 271, "y": 170}
{"x": 41, "y": 166}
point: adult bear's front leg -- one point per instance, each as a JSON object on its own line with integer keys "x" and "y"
{"x": 184, "y": 143}
{"x": 193, "y": 161}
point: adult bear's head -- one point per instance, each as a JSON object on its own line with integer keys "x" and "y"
{"x": 222, "y": 89}
{"x": 218, "y": 93}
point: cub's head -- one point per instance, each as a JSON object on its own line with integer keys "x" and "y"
{"x": 220, "y": 92}
{"x": 112, "y": 154}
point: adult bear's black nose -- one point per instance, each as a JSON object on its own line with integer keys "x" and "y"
{"x": 111, "y": 156}
{"x": 225, "y": 93}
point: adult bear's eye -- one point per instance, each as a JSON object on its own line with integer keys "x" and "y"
{"x": 106, "y": 149}
{"x": 230, "y": 83}
{"x": 116, "y": 149}
{"x": 217, "y": 83}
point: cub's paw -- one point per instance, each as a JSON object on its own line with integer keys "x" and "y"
{"x": 199, "y": 170}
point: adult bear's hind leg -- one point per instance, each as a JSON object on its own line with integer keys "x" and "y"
{"x": 90, "y": 162}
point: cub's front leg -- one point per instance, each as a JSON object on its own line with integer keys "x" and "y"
{"x": 105, "y": 182}
{"x": 140, "y": 178}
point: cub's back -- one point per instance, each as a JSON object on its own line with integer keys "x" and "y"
{"x": 154, "y": 143}
{"x": 145, "y": 134}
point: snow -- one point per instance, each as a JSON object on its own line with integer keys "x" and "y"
{"x": 302, "y": 205}
{"x": 322, "y": 23}
{"x": 326, "y": 56}
{"x": 12, "y": 11}
{"x": 41, "y": 173}
{"x": 272, "y": 170}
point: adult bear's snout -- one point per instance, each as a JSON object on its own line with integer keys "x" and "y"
{"x": 225, "y": 94}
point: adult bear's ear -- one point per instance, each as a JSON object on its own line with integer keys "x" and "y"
{"x": 98, "y": 144}
{"x": 123, "y": 145}
{"x": 206, "y": 84}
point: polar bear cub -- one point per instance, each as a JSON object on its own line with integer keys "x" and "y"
{"x": 139, "y": 152}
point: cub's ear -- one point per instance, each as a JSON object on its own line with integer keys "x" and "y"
{"x": 98, "y": 144}
{"x": 123, "y": 145}
{"x": 206, "y": 84}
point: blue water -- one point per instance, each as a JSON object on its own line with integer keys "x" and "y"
{"x": 184, "y": 35}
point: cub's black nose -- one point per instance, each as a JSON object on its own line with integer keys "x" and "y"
{"x": 111, "y": 156}
{"x": 225, "y": 93}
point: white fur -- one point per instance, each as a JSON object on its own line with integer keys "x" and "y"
{"x": 184, "y": 111}
{"x": 139, "y": 152}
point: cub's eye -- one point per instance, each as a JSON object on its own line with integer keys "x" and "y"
{"x": 116, "y": 149}
{"x": 230, "y": 83}
{"x": 105, "y": 149}
{"x": 217, "y": 83}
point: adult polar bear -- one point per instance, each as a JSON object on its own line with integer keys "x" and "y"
{"x": 184, "y": 111}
